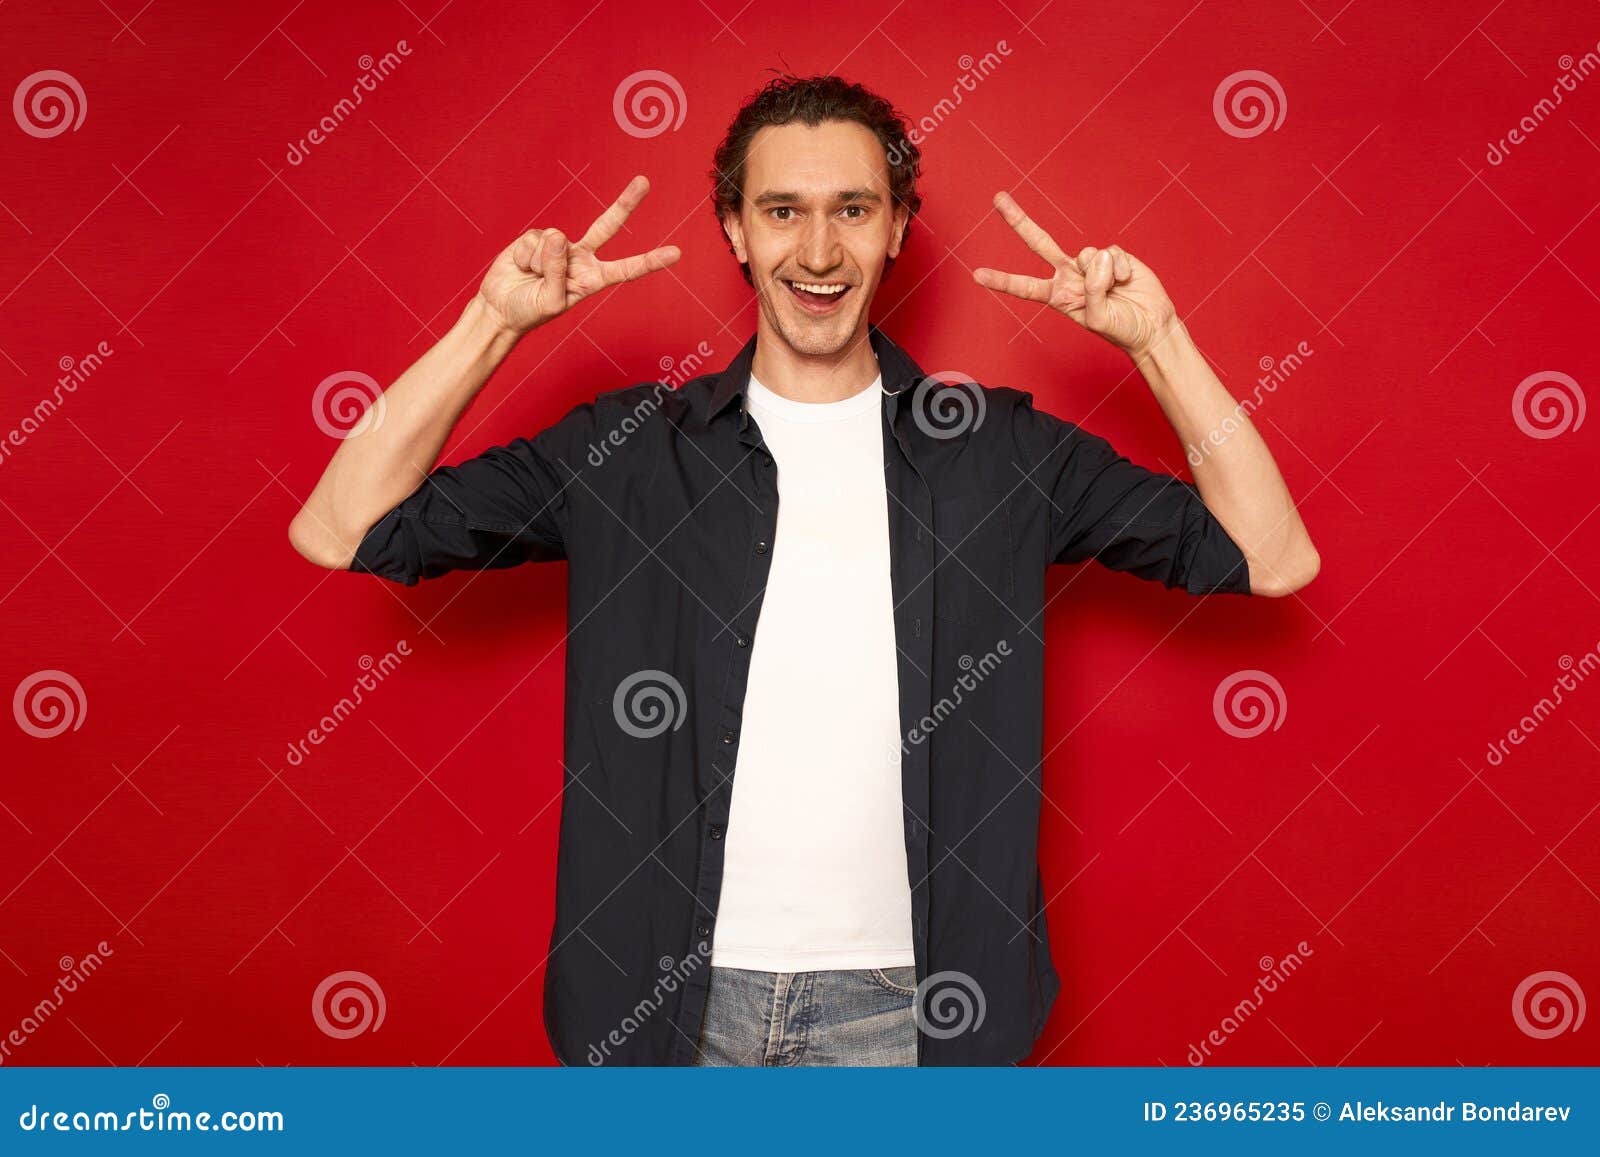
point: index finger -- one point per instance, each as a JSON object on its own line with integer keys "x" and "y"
{"x": 1034, "y": 237}
{"x": 606, "y": 225}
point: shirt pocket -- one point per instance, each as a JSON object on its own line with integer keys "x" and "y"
{"x": 974, "y": 578}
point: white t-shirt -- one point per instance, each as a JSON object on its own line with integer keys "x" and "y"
{"x": 815, "y": 871}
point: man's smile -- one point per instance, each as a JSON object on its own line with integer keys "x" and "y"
{"x": 818, "y": 297}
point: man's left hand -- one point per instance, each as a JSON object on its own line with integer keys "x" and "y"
{"x": 1107, "y": 291}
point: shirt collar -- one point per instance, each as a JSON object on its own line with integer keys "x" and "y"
{"x": 896, "y": 366}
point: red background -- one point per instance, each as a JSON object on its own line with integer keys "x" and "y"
{"x": 144, "y": 523}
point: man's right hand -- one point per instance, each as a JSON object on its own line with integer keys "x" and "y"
{"x": 541, "y": 275}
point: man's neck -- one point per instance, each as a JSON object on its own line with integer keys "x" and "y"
{"x": 814, "y": 378}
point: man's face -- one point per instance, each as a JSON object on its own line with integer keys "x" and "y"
{"x": 816, "y": 211}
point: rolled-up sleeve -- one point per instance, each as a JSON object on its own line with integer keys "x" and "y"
{"x": 505, "y": 507}
{"x": 1126, "y": 516}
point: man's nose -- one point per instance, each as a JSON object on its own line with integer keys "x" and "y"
{"x": 820, "y": 251}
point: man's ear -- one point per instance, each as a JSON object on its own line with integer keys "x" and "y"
{"x": 897, "y": 237}
{"x": 735, "y": 233}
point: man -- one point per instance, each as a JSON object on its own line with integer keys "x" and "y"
{"x": 803, "y": 721}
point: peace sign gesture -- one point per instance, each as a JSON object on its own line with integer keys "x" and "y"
{"x": 540, "y": 276}
{"x": 1107, "y": 291}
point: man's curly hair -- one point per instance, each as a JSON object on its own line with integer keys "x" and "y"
{"x": 813, "y": 100}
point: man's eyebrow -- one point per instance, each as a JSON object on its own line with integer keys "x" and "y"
{"x": 843, "y": 196}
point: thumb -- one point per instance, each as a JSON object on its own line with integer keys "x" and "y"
{"x": 1097, "y": 281}
{"x": 553, "y": 268}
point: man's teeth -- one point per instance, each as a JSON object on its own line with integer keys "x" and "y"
{"x": 811, "y": 287}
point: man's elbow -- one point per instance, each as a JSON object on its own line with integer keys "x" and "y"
{"x": 1287, "y": 576}
{"x": 317, "y": 544}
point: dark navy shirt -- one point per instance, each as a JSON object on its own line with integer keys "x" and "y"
{"x": 663, "y": 503}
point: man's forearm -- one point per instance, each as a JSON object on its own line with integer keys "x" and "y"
{"x": 373, "y": 471}
{"x": 1236, "y": 474}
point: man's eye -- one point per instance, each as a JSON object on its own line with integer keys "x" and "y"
{"x": 862, "y": 209}
{"x": 783, "y": 209}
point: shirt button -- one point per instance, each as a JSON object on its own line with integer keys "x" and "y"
{"x": 716, "y": 834}
{"x": 703, "y": 930}
{"x": 742, "y": 640}
{"x": 761, "y": 548}
{"x": 727, "y": 739}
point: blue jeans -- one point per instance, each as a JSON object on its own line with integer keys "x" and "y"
{"x": 847, "y": 1016}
